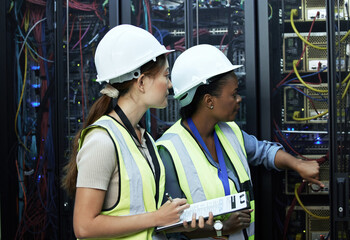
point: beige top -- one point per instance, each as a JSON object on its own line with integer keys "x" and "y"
{"x": 98, "y": 169}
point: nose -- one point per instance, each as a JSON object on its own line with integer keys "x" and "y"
{"x": 170, "y": 85}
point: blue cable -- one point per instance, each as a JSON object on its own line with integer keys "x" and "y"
{"x": 158, "y": 20}
{"x": 304, "y": 76}
{"x": 160, "y": 34}
{"x": 145, "y": 14}
{"x": 308, "y": 96}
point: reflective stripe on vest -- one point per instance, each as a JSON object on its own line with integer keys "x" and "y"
{"x": 137, "y": 183}
{"x": 232, "y": 139}
{"x": 187, "y": 171}
{"x": 202, "y": 175}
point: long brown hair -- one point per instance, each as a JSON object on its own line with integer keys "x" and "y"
{"x": 102, "y": 106}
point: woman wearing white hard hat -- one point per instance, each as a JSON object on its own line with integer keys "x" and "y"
{"x": 115, "y": 171}
{"x": 205, "y": 153}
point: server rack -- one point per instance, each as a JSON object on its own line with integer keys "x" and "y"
{"x": 307, "y": 115}
{"x": 8, "y": 181}
{"x": 63, "y": 68}
{"x": 262, "y": 70}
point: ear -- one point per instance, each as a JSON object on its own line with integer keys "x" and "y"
{"x": 208, "y": 100}
{"x": 140, "y": 82}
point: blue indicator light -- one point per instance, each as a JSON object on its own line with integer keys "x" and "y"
{"x": 35, "y": 67}
{"x": 36, "y": 85}
{"x": 35, "y": 104}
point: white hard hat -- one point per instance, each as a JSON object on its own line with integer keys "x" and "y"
{"x": 194, "y": 67}
{"x": 123, "y": 50}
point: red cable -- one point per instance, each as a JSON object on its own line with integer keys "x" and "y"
{"x": 319, "y": 74}
{"x": 291, "y": 148}
{"x": 96, "y": 11}
{"x": 222, "y": 41}
{"x": 319, "y": 160}
{"x": 290, "y": 211}
{"x": 139, "y": 14}
{"x": 178, "y": 45}
{"x": 71, "y": 30}
{"x": 302, "y": 54}
{"x": 24, "y": 17}
{"x": 310, "y": 100}
{"x": 38, "y": 2}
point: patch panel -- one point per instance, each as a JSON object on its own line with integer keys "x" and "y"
{"x": 309, "y": 227}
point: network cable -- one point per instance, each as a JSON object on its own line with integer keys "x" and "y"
{"x": 295, "y": 12}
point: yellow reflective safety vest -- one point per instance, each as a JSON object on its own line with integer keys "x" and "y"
{"x": 198, "y": 176}
{"x": 139, "y": 191}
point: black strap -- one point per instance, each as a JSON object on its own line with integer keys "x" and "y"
{"x": 149, "y": 144}
{"x": 126, "y": 121}
{"x": 247, "y": 187}
{"x": 155, "y": 164}
{"x": 245, "y": 234}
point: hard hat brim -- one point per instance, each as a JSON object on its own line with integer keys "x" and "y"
{"x": 113, "y": 76}
{"x": 205, "y": 79}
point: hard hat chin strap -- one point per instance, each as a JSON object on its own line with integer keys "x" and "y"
{"x": 126, "y": 77}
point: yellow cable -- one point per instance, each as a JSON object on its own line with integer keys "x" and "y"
{"x": 343, "y": 38}
{"x": 316, "y": 90}
{"x": 303, "y": 207}
{"x": 345, "y": 79}
{"x": 21, "y": 98}
{"x": 302, "y": 81}
{"x": 11, "y": 6}
{"x": 26, "y": 21}
{"x": 32, "y": 55}
{"x": 308, "y": 86}
{"x": 299, "y": 236}
{"x": 292, "y": 12}
{"x": 26, "y": 26}
{"x": 295, "y": 11}
{"x": 307, "y": 118}
{"x": 347, "y": 86}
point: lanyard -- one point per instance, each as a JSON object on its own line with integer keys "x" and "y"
{"x": 222, "y": 171}
{"x": 126, "y": 121}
